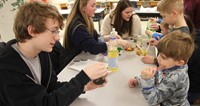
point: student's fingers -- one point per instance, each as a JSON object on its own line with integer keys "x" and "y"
{"x": 148, "y": 59}
{"x": 90, "y": 86}
{"x": 128, "y": 44}
{"x": 158, "y": 37}
{"x": 147, "y": 31}
{"x": 147, "y": 72}
{"x": 153, "y": 41}
{"x": 96, "y": 70}
{"x": 153, "y": 19}
{"x": 154, "y": 26}
{"x": 118, "y": 37}
{"x": 150, "y": 71}
{"x": 125, "y": 44}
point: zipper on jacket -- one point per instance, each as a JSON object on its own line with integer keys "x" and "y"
{"x": 31, "y": 78}
{"x": 50, "y": 71}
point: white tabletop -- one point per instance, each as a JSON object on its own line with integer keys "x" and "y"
{"x": 116, "y": 92}
{"x": 67, "y": 11}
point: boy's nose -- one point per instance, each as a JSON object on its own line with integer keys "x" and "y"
{"x": 57, "y": 37}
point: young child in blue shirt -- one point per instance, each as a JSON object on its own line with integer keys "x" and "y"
{"x": 165, "y": 29}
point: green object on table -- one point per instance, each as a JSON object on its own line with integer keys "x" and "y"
{"x": 119, "y": 50}
{"x": 148, "y": 28}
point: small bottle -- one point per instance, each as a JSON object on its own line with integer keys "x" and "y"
{"x": 139, "y": 40}
{"x": 113, "y": 52}
{"x": 113, "y": 33}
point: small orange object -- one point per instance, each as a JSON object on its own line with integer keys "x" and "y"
{"x": 139, "y": 52}
{"x": 129, "y": 49}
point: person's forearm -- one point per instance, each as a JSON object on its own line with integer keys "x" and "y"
{"x": 106, "y": 38}
{"x": 149, "y": 32}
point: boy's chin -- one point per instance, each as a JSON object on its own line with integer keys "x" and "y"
{"x": 49, "y": 50}
{"x": 127, "y": 19}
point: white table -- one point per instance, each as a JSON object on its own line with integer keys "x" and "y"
{"x": 117, "y": 91}
{"x": 99, "y": 14}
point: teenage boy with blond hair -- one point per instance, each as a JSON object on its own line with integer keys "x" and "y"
{"x": 168, "y": 84}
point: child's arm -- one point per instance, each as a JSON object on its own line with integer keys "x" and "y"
{"x": 149, "y": 32}
{"x": 164, "y": 88}
{"x": 146, "y": 80}
{"x": 158, "y": 20}
{"x": 154, "y": 35}
{"x": 157, "y": 35}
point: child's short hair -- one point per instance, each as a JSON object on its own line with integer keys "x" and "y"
{"x": 165, "y": 25}
{"x": 169, "y": 5}
{"x": 176, "y": 45}
{"x": 34, "y": 14}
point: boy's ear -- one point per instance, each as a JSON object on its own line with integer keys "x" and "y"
{"x": 30, "y": 30}
{"x": 174, "y": 13}
{"x": 180, "y": 62}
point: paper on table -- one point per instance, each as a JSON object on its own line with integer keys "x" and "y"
{"x": 78, "y": 66}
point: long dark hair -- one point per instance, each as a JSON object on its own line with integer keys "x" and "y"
{"x": 120, "y": 25}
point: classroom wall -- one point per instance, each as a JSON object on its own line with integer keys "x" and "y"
{"x": 7, "y": 14}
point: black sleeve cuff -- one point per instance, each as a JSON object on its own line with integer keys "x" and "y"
{"x": 156, "y": 62}
{"x": 159, "y": 29}
{"x": 83, "y": 78}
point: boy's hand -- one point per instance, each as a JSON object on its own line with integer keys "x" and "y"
{"x": 90, "y": 85}
{"x": 132, "y": 82}
{"x": 153, "y": 41}
{"x": 148, "y": 59}
{"x": 148, "y": 73}
{"x": 118, "y": 37}
{"x": 96, "y": 70}
{"x": 153, "y": 19}
{"x": 148, "y": 32}
{"x": 125, "y": 44}
{"x": 154, "y": 26}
